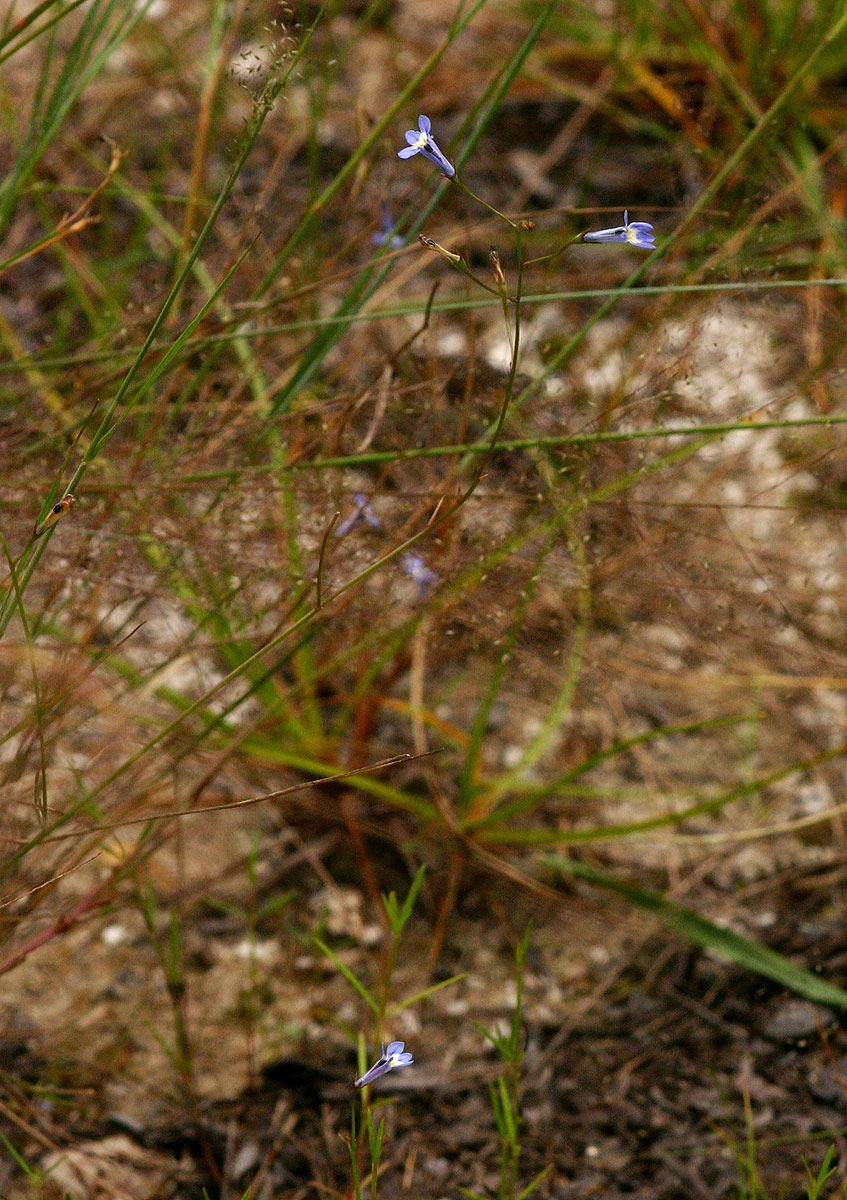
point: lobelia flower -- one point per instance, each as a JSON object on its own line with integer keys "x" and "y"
{"x": 636, "y": 233}
{"x": 391, "y": 1056}
{"x": 386, "y": 236}
{"x": 415, "y": 567}
{"x": 423, "y": 143}
{"x": 362, "y": 512}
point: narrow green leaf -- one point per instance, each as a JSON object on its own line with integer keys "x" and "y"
{"x": 354, "y": 982}
{"x": 530, "y": 1187}
{"x": 506, "y": 1110}
{"x": 701, "y": 932}
{"x": 22, "y": 1163}
{"x": 409, "y": 902}
{"x": 436, "y": 987}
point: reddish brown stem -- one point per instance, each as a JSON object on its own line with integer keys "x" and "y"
{"x": 100, "y": 897}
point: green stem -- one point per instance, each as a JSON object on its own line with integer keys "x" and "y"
{"x": 577, "y": 237}
{"x": 354, "y": 1152}
{"x": 457, "y": 263}
{"x": 386, "y": 983}
{"x": 496, "y": 211}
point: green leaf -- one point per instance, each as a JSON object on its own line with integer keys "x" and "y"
{"x": 436, "y": 987}
{"x": 355, "y": 983}
{"x": 813, "y": 1189}
{"x": 533, "y": 1184}
{"x": 508, "y": 1116}
{"x": 409, "y": 902}
{"x": 701, "y": 932}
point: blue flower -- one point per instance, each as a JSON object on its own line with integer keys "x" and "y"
{"x": 637, "y": 233}
{"x": 386, "y": 236}
{"x": 415, "y": 567}
{"x": 363, "y": 512}
{"x": 423, "y": 143}
{"x": 391, "y": 1056}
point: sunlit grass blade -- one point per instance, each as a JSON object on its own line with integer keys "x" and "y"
{"x": 261, "y": 109}
{"x": 93, "y": 45}
{"x": 15, "y": 33}
{"x": 478, "y": 121}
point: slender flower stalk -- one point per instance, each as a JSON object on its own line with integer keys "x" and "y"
{"x": 546, "y": 258}
{"x": 496, "y": 211}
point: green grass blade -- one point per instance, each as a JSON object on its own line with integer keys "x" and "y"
{"x": 701, "y": 932}
{"x": 425, "y": 994}
{"x": 352, "y": 979}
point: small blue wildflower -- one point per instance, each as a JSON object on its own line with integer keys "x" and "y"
{"x": 423, "y": 143}
{"x": 362, "y": 512}
{"x": 415, "y": 567}
{"x": 391, "y": 1056}
{"x": 386, "y": 236}
{"x": 636, "y": 233}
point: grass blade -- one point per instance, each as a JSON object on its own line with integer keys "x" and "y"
{"x": 701, "y": 932}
